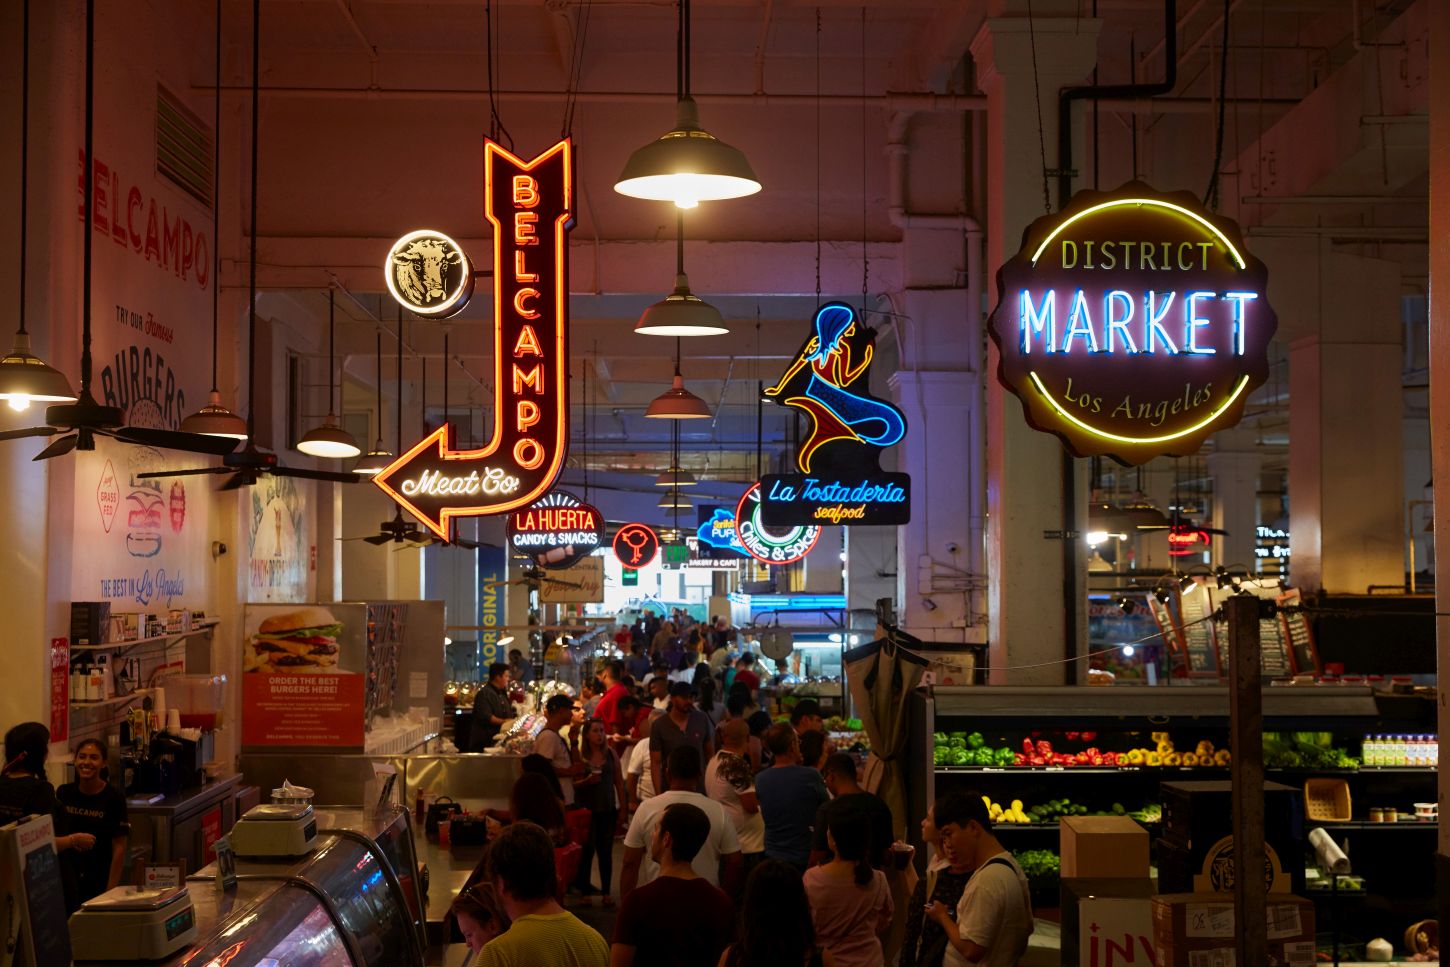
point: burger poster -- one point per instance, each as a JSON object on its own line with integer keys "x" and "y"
{"x": 303, "y": 673}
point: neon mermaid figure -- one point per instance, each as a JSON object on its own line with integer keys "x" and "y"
{"x": 836, "y": 356}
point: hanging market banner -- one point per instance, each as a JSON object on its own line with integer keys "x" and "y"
{"x": 556, "y": 530}
{"x": 529, "y": 205}
{"x": 840, "y": 479}
{"x": 1132, "y": 324}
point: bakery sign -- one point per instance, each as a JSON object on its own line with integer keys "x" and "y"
{"x": 1132, "y": 324}
{"x": 556, "y": 530}
{"x": 529, "y": 204}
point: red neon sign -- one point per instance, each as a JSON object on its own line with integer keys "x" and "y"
{"x": 636, "y": 546}
{"x": 529, "y": 204}
{"x": 1181, "y": 543}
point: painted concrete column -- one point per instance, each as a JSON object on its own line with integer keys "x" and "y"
{"x": 1346, "y": 467}
{"x": 1234, "y": 466}
{"x": 1025, "y": 471}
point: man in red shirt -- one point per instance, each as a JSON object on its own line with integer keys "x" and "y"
{"x": 745, "y": 672}
{"x": 608, "y": 708}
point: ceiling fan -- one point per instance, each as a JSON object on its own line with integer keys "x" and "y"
{"x": 249, "y": 464}
{"x": 81, "y": 418}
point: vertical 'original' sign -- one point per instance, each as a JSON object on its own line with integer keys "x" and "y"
{"x": 529, "y": 204}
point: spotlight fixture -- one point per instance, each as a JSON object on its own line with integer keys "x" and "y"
{"x": 330, "y": 439}
{"x": 1187, "y": 583}
{"x": 1127, "y": 604}
{"x": 1162, "y": 594}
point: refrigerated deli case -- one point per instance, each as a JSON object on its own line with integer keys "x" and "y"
{"x": 355, "y": 901}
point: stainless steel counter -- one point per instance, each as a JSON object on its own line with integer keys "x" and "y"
{"x": 171, "y": 828}
{"x": 478, "y": 780}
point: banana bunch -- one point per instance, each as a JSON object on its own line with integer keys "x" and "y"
{"x": 1009, "y": 814}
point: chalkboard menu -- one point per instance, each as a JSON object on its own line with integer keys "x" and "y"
{"x": 1302, "y": 650}
{"x": 1273, "y": 649}
{"x": 1200, "y": 637}
{"x": 32, "y": 866}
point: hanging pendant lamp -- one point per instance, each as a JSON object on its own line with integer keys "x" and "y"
{"x": 25, "y": 378}
{"x": 330, "y": 440}
{"x": 687, "y": 164}
{"x": 377, "y": 459}
{"x": 674, "y": 500}
{"x": 676, "y": 477}
{"x": 681, "y": 313}
{"x": 678, "y": 403}
{"x": 214, "y": 419}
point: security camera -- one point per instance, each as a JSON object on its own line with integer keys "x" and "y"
{"x": 953, "y": 547}
{"x": 928, "y": 604}
{"x": 217, "y": 549}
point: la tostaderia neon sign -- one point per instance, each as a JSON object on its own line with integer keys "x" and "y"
{"x": 529, "y": 205}
{"x": 1132, "y": 324}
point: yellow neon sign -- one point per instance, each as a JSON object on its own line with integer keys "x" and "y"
{"x": 1187, "y": 431}
{"x": 1152, "y": 203}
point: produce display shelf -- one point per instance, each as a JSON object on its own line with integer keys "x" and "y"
{"x": 1357, "y": 824}
{"x": 1182, "y": 770}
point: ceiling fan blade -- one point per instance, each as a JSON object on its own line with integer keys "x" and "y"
{"x": 378, "y": 539}
{"x": 29, "y": 431}
{"x": 466, "y": 544}
{"x": 334, "y": 476}
{"x": 193, "y": 472}
{"x": 174, "y": 440}
{"x": 238, "y": 481}
{"x": 58, "y": 447}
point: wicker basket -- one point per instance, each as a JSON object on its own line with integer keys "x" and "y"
{"x": 1327, "y": 801}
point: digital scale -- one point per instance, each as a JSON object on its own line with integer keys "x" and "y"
{"x": 129, "y": 923}
{"x": 275, "y": 829}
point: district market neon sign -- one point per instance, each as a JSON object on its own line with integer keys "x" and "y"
{"x": 529, "y": 205}
{"x": 1132, "y": 324}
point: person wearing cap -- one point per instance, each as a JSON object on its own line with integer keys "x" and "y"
{"x": 683, "y": 725}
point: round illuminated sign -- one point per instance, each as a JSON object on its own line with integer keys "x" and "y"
{"x": 556, "y": 530}
{"x": 772, "y": 545}
{"x": 1132, "y": 324}
{"x": 636, "y": 545}
{"x": 429, "y": 274}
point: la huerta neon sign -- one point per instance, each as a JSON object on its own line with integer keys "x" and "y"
{"x": 530, "y": 206}
{"x": 840, "y": 479}
{"x": 1132, "y": 324}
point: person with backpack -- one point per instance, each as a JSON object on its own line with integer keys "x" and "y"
{"x": 993, "y": 919}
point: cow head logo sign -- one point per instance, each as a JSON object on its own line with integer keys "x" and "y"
{"x": 429, "y": 274}
{"x": 530, "y": 207}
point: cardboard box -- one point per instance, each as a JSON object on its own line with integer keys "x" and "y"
{"x": 1103, "y": 847}
{"x": 1195, "y": 854}
{"x": 1198, "y": 930}
{"x": 1107, "y": 923}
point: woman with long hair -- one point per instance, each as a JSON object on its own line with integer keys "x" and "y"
{"x": 775, "y": 923}
{"x": 850, "y": 901}
{"x": 92, "y": 805}
{"x": 601, "y": 791}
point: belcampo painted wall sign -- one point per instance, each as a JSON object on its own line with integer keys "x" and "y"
{"x": 529, "y": 205}
{"x": 1132, "y": 324}
{"x": 840, "y": 479}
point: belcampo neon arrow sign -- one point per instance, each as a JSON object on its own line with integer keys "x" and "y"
{"x": 529, "y": 204}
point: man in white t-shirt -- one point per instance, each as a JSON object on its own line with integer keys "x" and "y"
{"x": 994, "y": 916}
{"x": 730, "y": 781}
{"x": 683, "y": 771}
{"x": 559, "y": 711}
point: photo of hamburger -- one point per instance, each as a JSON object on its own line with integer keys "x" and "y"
{"x": 301, "y": 640}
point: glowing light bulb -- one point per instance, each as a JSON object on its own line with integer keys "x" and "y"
{"x": 1128, "y": 651}
{"x": 686, "y": 201}
{"x": 19, "y": 403}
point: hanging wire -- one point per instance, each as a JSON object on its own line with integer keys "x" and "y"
{"x": 576, "y": 68}
{"x": 818, "y": 154}
{"x": 216, "y": 194}
{"x": 251, "y": 228}
{"x": 865, "y": 258}
{"x": 25, "y": 166}
{"x": 1097, "y": 126}
{"x": 497, "y": 132}
{"x": 1037, "y": 93}
{"x": 445, "y": 377}
{"x": 759, "y": 403}
{"x": 1210, "y": 194}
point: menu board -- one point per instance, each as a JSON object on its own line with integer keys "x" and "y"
{"x": 1302, "y": 650}
{"x": 304, "y": 668}
{"x": 1200, "y": 636}
{"x": 387, "y": 624}
{"x": 1273, "y": 641}
{"x": 1167, "y": 628}
{"x": 31, "y": 865}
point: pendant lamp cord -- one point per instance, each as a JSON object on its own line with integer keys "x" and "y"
{"x": 398, "y": 441}
{"x": 818, "y": 154}
{"x": 865, "y": 258}
{"x": 90, "y": 178}
{"x": 679, "y": 241}
{"x": 216, "y": 194}
{"x": 446, "y": 360}
{"x": 331, "y": 355}
{"x": 252, "y": 269}
{"x": 685, "y": 50}
{"x": 24, "y": 149}
{"x": 677, "y": 355}
{"x": 379, "y": 335}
